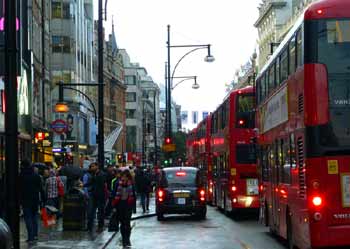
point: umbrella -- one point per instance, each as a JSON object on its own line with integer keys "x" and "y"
{"x": 71, "y": 171}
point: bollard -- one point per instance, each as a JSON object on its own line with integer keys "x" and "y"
{"x": 5, "y": 236}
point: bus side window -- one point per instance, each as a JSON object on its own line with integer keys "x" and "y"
{"x": 264, "y": 164}
{"x": 278, "y": 71}
{"x": 286, "y": 161}
{"x": 293, "y": 160}
{"x": 284, "y": 65}
{"x": 299, "y": 43}
{"x": 292, "y": 58}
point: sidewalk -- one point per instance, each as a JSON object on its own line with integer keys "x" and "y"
{"x": 55, "y": 237}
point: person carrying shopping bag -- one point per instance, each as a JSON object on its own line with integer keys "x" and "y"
{"x": 124, "y": 202}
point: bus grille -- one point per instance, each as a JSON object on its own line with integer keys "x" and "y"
{"x": 302, "y": 175}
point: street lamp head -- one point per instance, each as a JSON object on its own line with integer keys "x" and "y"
{"x": 61, "y": 107}
{"x": 209, "y": 58}
{"x": 195, "y": 86}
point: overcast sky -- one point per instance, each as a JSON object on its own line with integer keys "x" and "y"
{"x": 141, "y": 28}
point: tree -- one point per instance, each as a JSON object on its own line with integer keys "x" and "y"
{"x": 180, "y": 154}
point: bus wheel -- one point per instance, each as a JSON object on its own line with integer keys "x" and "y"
{"x": 290, "y": 235}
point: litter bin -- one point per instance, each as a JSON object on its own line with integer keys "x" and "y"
{"x": 75, "y": 210}
{"x": 5, "y": 236}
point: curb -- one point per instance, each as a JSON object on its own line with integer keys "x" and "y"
{"x": 143, "y": 216}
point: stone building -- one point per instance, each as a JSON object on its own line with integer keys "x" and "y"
{"x": 276, "y": 17}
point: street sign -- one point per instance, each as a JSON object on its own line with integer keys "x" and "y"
{"x": 59, "y": 126}
{"x": 169, "y": 147}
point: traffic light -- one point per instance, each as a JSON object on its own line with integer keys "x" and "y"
{"x": 167, "y": 140}
{"x": 40, "y": 136}
{"x": 166, "y": 162}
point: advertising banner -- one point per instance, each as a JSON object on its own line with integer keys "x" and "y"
{"x": 275, "y": 111}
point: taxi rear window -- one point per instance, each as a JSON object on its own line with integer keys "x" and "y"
{"x": 180, "y": 178}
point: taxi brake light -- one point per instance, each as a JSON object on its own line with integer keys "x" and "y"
{"x": 180, "y": 173}
{"x": 234, "y": 188}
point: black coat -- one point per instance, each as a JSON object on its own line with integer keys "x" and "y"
{"x": 99, "y": 186}
{"x": 30, "y": 188}
{"x": 143, "y": 183}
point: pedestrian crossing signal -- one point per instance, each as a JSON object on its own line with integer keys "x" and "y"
{"x": 120, "y": 158}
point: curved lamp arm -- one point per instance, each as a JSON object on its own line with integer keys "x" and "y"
{"x": 87, "y": 97}
{"x": 189, "y": 52}
{"x": 193, "y": 78}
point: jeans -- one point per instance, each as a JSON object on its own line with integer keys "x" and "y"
{"x": 124, "y": 215}
{"x": 93, "y": 206}
{"x": 145, "y": 201}
{"x": 31, "y": 219}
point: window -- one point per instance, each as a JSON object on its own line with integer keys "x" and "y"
{"x": 292, "y": 57}
{"x": 66, "y": 11}
{"x": 61, "y": 44}
{"x": 272, "y": 78}
{"x": 131, "y": 138}
{"x": 56, "y": 44}
{"x": 286, "y": 163}
{"x": 245, "y": 117}
{"x": 278, "y": 71}
{"x": 263, "y": 87}
{"x": 300, "y": 58}
{"x": 56, "y": 10}
{"x": 130, "y": 80}
{"x": 284, "y": 65}
{"x": 130, "y": 113}
{"x": 265, "y": 164}
{"x": 131, "y": 97}
{"x": 245, "y": 153}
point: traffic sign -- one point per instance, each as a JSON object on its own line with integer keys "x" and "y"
{"x": 169, "y": 147}
{"x": 59, "y": 126}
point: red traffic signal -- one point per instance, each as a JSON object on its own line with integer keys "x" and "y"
{"x": 40, "y": 136}
{"x": 167, "y": 140}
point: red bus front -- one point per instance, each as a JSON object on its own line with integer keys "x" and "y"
{"x": 234, "y": 159}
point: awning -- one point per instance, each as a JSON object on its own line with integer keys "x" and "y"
{"x": 111, "y": 138}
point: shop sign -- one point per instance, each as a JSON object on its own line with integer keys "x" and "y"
{"x": 59, "y": 126}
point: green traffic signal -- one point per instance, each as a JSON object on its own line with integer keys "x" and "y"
{"x": 166, "y": 162}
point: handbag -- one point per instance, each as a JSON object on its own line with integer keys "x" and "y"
{"x": 60, "y": 187}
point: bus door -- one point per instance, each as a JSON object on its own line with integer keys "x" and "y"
{"x": 274, "y": 155}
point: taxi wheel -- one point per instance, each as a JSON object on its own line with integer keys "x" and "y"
{"x": 290, "y": 236}
{"x": 201, "y": 215}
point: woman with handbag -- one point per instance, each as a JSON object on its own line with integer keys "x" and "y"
{"x": 124, "y": 202}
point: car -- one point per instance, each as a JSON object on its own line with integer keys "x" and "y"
{"x": 180, "y": 191}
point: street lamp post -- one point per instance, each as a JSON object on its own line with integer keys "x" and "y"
{"x": 11, "y": 122}
{"x": 170, "y": 76}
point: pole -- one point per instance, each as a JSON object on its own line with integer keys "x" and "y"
{"x": 11, "y": 123}
{"x": 166, "y": 100}
{"x": 101, "y": 155}
{"x": 155, "y": 129}
{"x": 169, "y": 86}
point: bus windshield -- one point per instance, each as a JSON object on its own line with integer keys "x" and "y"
{"x": 333, "y": 50}
{"x": 245, "y": 111}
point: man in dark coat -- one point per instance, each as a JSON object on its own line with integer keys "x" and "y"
{"x": 144, "y": 188}
{"x": 30, "y": 190}
{"x": 97, "y": 198}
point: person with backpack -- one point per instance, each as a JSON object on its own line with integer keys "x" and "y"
{"x": 124, "y": 202}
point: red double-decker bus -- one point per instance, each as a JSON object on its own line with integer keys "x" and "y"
{"x": 204, "y": 156}
{"x": 303, "y": 97}
{"x": 235, "y": 183}
{"x": 191, "y": 148}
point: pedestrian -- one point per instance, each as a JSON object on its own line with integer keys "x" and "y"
{"x": 52, "y": 185}
{"x": 110, "y": 175}
{"x": 113, "y": 221}
{"x": 97, "y": 198}
{"x": 144, "y": 188}
{"x": 30, "y": 190}
{"x": 124, "y": 202}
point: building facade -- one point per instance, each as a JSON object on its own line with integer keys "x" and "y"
{"x": 114, "y": 97}
{"x": 71, "y": 61}
{"x": 276, "y": 17}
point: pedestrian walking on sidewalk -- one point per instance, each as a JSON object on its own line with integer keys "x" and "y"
{"x": 98, "y": 197}
{"x": 124, "y": 201}
{"x": 30, "y": 190}
{"x": 114, "y": 221}
{"x": 144, "y": 188}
